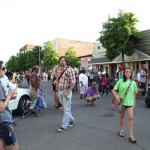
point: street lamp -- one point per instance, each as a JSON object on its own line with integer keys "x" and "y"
{"x": 39, "y": 60}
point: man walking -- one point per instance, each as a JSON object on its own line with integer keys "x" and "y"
{"x": 34, "y": 82}
{"x": 65, "y": 77}
{"x": 143, "y": 80}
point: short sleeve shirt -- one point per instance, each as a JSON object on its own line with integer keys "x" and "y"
{"x": 91, "y": 91}
{"x": 143, "y": 76}
{"x": 67, "y": 78}
{"x": 84, "y": 79}
{"x": 5, "y": 115}
{"x": 128, "y": 100}
{"x": 34, "y": 77}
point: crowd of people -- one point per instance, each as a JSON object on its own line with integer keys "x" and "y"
{"x": 65, "y": 80}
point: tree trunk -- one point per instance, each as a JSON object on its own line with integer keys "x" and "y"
{"x": 123, "y": 60}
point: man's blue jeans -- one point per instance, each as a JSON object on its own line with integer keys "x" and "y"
{"x": 66, "y": 102}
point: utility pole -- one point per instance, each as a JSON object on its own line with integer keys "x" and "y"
{"x": 39, "y": 61}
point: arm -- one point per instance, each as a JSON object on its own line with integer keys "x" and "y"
{"x": 81, "y": 83}
{"x": 73, "y": 80}
{"x": 4, "y": 103}
{"x": 72, "y": 84}
{"x": 97, "y": 92}
{"x": 116, "y": 95}
{"x": 134, "y": 99}
{"x": 136, "y": 91}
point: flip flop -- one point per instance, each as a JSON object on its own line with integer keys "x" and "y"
{"x": 121, "y": 134}
{"x": 132, "y": 140}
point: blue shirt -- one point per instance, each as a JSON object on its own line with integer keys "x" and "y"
{"x": 5, "y": 115}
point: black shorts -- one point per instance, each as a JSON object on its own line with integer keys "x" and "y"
{"x": 127, "y": 106}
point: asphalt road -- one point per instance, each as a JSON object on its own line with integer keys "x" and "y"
{"x": 95, "y": 128}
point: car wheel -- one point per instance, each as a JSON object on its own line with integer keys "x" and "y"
{"x": 23, "y": 105}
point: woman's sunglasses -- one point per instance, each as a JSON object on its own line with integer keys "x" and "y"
{"x": 3, "y": 68}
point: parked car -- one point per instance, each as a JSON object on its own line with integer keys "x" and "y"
{"x": 19, "y": 103}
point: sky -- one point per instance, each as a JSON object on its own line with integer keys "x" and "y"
{"x": 37, "y": 21}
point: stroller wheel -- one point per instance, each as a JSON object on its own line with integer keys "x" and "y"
{"x": 38, "y": 115}
{"x": 22, "y": 117}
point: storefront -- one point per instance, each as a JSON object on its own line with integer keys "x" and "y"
{"x": 138, "y": 60}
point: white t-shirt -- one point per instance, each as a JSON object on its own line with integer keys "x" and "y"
{"x": 138, "y": 77}
{"x": 84, "y": 79}
{"x": 99, "y": 73}
{"x": 143, "y": 76}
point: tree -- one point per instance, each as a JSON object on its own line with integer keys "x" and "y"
{"x": 120, "y": 36}
{"x": 50, "y": 56}
{"x": 35, "y": 55}
{"x": 12, "y": 63}
{"x": 72, "y": 58}
{"x": 24, "y": 61}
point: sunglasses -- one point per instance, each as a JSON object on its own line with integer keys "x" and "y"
{"x": 3, "y": 68}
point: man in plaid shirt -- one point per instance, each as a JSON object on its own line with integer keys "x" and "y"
{"x": 65, "y": 83}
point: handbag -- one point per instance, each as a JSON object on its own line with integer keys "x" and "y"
{"x": 119, "y": 105}
{"x": 40, "y": 103}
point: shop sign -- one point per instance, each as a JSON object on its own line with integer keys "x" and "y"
{"x": 133, "y": 57}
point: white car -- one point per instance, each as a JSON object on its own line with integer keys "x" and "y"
{"x": 20, "y": 102}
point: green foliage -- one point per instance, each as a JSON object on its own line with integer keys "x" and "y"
{"x": 50, "y": 56}
{"x": 24, "y": 61}
{"x": 72, "y": 58}
{"x": 12, "y": 63}
{"x": 119, "y": 35}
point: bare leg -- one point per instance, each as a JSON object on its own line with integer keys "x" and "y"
{"x": 130, "y": 121}
{"x": 15, "y": 147}
{"x": 2, "y": 145}
{"x": 121, "y": 117}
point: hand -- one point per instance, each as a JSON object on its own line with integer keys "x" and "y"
{"x": 118, "y": 100}
{"x": 66, "y": 93}
{"x": 12, "y": 93}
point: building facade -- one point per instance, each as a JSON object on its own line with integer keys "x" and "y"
{"x": 27, "y": 47}
{"x": 83, "y": 49}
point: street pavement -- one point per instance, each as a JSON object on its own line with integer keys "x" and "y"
{"x": 95, "y": 126}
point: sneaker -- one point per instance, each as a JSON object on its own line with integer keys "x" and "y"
{"x": 61, "y": 129}
{"x": 71, "y": 124}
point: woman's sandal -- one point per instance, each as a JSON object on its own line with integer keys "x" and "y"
{"x": 121, "y": 133}
{"x": 132, "y": 140}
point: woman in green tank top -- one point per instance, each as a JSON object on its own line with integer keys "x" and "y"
{"x": 127, "y": 100}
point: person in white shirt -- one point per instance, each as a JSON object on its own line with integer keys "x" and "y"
{"x": 24, "y": 82}
{"x": 143, "y": 80}
{"x": 138, "y": 77}
{"x": 83, "y": 80}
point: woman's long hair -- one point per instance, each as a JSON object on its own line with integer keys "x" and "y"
{"x": 124, "y": 76}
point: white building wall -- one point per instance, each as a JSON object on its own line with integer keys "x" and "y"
{"x": 98, "y": 50}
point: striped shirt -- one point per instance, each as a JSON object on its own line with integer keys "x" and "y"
{"x": 67, "y": 78}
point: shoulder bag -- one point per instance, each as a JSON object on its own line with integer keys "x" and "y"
{"x": 120, "y": 104}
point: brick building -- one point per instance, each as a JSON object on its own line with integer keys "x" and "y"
{"x": 27, "y": 47}
{"x": 83, "y": 50}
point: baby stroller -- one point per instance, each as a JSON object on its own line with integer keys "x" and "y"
{"x": 35, "y": 104}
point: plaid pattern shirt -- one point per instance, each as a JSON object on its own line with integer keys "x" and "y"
{"x": 66, "y": 79}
